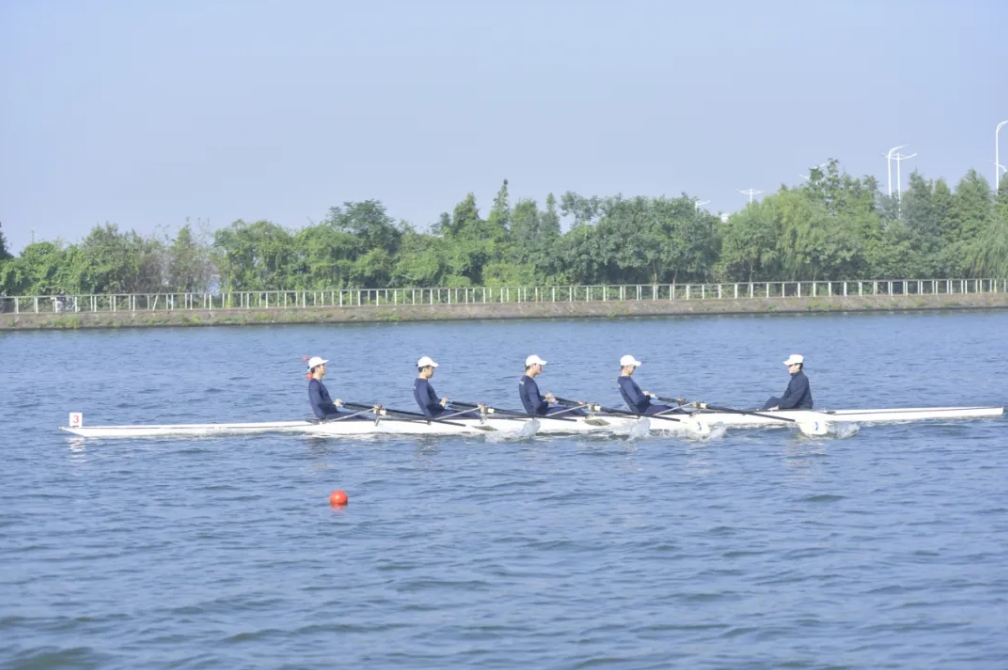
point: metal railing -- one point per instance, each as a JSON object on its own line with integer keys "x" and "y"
{"x": 380, "y": 297}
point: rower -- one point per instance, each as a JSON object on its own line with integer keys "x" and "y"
{"x": 322, "y": 404}
{"x": 639, "y": 401}
{"x": 427, "y": 399}
{"x": 535, "y": 403}
{"x": 798, "y": 394}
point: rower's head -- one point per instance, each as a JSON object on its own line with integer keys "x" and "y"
{"x": 316, "y": 367}
{"x": 534, "y": 365}
{"x": 628, "y": 364}
{"x": 795, "y": 363}
{"x": 425, "y": 366}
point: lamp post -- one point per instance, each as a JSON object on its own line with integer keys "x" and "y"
{"x": 697, "y": 203}
{"x": 997, "y": 158}
{"x": 889, "y": 157}
{"x": 750, "y": 192}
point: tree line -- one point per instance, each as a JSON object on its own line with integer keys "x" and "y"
{"x": 830, "y": 227}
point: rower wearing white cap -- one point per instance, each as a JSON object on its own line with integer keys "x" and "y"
{"x": 424, "y": 393}
{"x": 798, "y": 394}
{"x": 534, "y": 402}
{"x": 322, "y": 404}
{"x": 638, "y": 401}
{"x": 427, "y": 399}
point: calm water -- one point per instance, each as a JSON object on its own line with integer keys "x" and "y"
{"x": 759, "y": 549}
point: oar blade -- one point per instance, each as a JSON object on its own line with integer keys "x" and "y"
{"x": 813, "y": 428}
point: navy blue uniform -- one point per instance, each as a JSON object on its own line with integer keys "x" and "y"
{"x": 430, "y": 404}
{"x": 797, "y": 396}
{"x": 636, "y": 400}
{"x": 321, "y": 403}
{"x": 426, "y": 398}
{"x": 535, "y": 404}
{"x": 531, "y": 399}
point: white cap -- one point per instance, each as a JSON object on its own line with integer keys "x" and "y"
{"x": 425, "y": 362}
{"x": 794, "y": 358}
{"x": 316, "y": 361}
{"x": 534, "y": 360}
{"x": 629, "y": 360}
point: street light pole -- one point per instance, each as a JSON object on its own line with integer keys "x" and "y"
{"x": 750, "y": 192}
{"x": 889, "y": 157}
{"x": 997, "y": 158}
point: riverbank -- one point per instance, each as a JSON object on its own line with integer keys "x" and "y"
{"x": 526, "y": 310}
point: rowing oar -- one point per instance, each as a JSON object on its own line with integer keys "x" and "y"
{"x": 348, "y": 416}
{"x": 571, "y": 406}
{"x": 806, "y": 427}
{"x": 680, "y": 402}
{"x": 621, "y": 412}
{"x": 416, "y": 417}
{"x": 507, "y": 413}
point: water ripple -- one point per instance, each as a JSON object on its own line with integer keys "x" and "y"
{"x": 758, "y": 549}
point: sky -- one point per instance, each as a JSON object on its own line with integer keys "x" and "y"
{"x": 144, "y": 114}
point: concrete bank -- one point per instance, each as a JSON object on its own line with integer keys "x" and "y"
{"x": 529, "y": 310}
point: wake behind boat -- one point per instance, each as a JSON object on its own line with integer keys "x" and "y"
{"x": 700, "y": 423}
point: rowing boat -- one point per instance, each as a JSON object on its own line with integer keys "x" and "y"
{"x": 699, "y": 424}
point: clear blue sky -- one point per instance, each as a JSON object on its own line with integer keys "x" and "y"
{"x": 145, "y": 113}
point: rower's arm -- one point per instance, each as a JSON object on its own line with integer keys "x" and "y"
{"x": 635, "y": 399}
{"x": 426, "y": 398}
{"x": 796, "y": 390}
{"x": 319, "y": 400}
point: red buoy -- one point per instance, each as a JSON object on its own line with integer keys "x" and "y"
{"x": 338, "y": 498}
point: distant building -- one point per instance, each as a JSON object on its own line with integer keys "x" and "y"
{"x": 724, "y": 218}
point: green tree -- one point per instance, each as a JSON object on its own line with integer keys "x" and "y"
{"x": 43, "y": 268}
{"x": 749, "y": 248}
{"x": 256, "y": 256}
{"x": 369, "y": 223}
{"x": 325, "y": 257}
{"x": 112, "y": 261}
{"x": 189, "y": 267}
{"x": 421, "y": 261}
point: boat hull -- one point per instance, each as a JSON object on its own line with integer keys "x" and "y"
{"x": 697, "y": 424}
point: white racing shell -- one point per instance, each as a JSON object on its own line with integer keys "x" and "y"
{"x": 696, "y": 425}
